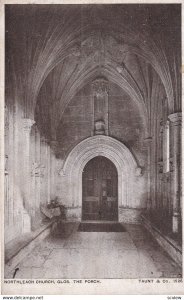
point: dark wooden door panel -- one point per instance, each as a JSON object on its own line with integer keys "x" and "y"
{"x": 100, "y": 183}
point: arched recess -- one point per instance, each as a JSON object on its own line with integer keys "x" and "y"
{"x": 129, "y": 173}
{"x": 100, "y": 190}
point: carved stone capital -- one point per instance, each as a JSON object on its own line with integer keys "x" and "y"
{"x": 175, "y": 118}
{"x": 47, "y": 140}
{"x": 37, "y": 169}
{"x": 76, "y": 51}
{"x": 161, "y": 123}
{"x": 147, "y": 142}
{"x": 44, "y": 140}
{"x": 99, "y": 127}
{"x": 161, "y": 128}
{"x": 6, "y": 119}
{"x": 171, "y": 165}
{"x": 148, "y": 139}
{"x": 6, "y": 163}
{"x": 160, "y": 167}
{"x": 100, "y": 86}
{"x": 61, "y": 172}
{"x": 120, "y": 69}
{"x": 53, "y": 144}
{"x": 27, "y": 124}
{"x": 166, "y": 177}
{"x": 138, "y": 171}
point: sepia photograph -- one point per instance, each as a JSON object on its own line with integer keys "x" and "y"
{"x": 92, "y": 142}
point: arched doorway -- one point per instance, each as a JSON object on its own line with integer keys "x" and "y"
{"x": 100, "y": 190}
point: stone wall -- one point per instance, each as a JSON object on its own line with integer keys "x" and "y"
{"x": 126, "y": 123}
{"x": 164, "y": 202}
{"x": 27, "y": 174}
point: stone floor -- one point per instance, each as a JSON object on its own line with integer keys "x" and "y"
{"x": 129, "y": 254}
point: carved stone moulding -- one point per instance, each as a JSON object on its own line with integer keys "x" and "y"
{"x": 147, "y": 143}
{"x": 100, "y": 86}
{"x": 37, "y": 170}
{"x": 27, "y": 124}
{"x": 139, "y": 171}
{"x": 99, "y": 127}
{"x": 148, "y": 139}
{"x": 99, "y": 145}
{"x": 160, "y": 167}
{"x": 76, "y": 50}
{"x": 171, "y": 167}
{"x": 175, "y": 118}
{"x": 6, "y": 163}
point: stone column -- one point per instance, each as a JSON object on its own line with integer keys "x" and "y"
{"x": 160, "y": 166}
{"x": 37, "y": 167}
{"x": 46, "y": 161}
{"x": 27, "y": 124}
{"x": 6, "y": 192}
{"x": 9, "y": 139}
{"x": 48, "y": 172}
{"x": 161, "y": 141}
{"x": 43, "y": 171}
{"x": 160, "y": 187}
{"x": 176, "y": 183}
{"x": 148, "y": 144}
{"x": 6, "y": 178}
{"x": 53, "y": 149}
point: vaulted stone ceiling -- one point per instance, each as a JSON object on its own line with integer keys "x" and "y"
{"x": 55, "y": 50}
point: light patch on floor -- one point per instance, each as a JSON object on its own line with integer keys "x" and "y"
{"x": 130, "y": 254}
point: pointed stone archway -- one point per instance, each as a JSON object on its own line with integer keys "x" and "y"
{"x": 130, "y": 179}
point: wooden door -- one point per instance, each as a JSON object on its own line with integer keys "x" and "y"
{"x": 100, "y": 187}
